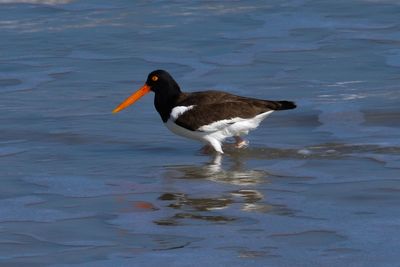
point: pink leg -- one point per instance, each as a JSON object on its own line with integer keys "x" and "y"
{"x": 240, "y": 142}
{"x": 207, "y": 149}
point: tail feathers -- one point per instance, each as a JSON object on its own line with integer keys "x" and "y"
{"x": 283, "y": 105}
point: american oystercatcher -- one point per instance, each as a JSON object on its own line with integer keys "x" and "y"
{"x": 209, "y": 116}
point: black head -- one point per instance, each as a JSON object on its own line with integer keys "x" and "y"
{"x": 161, "y": 82}
{"x": 166, "y": 91}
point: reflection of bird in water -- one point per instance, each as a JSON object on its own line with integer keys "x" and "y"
{"x": 190, "y": 207}
{"x": 251, "y": 199}
{"x": 236, "y": 174}
{"x": 209, "y": 116}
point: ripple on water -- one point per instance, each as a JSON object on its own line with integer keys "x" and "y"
{"x": 28, "y": 79}
{"x": 393, "y": 58}
{"x": 28, "y": 209}
{"x": 76, "y": 186}
{"x": 45, "y": 2}
{"x": 11, "y": 151}
{"x": 82, "y": 240}
{"x": 309, "y": 239}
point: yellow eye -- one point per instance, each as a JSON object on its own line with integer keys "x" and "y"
{"x": 154, "y": 78}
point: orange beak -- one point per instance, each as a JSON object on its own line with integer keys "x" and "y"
{"x": 145, "y": 89}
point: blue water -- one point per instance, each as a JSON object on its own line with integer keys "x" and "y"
{"x": 318, "y": 186}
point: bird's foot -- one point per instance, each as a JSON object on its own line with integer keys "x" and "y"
{"x": 240, "y": 142}
{"x": 207, "y": 149}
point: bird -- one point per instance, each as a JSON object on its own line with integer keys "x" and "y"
{"x": 206, "y": 116}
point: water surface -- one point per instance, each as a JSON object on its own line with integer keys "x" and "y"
{"x": 318, "y": 186}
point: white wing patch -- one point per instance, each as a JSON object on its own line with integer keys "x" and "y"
{"x": 218, "y": 125}
{"x": 215, "y": 132}
{"x": 234, "y": 127}
{"x": 179, "y": 110}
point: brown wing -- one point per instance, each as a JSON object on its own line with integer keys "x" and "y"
{"x": 212, "y": 106}
{"x": 201, "y": 115}
{"x": 218, "y": 97}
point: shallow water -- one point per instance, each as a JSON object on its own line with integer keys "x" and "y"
{"x": 318, "y": 186}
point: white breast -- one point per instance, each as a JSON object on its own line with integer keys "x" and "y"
{"x": 176, "y": 129}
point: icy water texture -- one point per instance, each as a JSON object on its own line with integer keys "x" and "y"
{"x": 319, "y": 186}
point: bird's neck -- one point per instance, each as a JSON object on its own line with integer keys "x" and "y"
{"x": 165, "y": 101}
